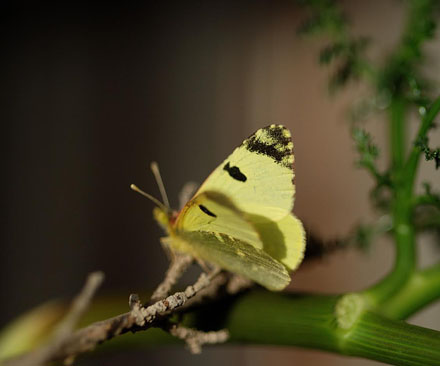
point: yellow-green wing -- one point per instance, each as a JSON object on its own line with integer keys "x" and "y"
{"x": 214, "y": 212}
{"x": 283, "y": 240}
{"x": 258, "y": 175}
{"x": 240, "y": 219}
{"x": 233, "y": 255}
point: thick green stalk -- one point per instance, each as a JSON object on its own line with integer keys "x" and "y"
{"x": 393, "y": 342}
{"x": 269, "y": 318}
{"x": 330, "y": 323}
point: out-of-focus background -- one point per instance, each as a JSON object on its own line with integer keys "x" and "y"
{"x": 93, "y": 93}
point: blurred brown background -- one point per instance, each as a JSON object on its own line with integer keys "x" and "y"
{"x": 92, "y": 94}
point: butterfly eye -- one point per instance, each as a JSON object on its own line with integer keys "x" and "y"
{"x": 234, "y": 172}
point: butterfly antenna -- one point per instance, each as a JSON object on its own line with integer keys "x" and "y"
{"x": 155, "y": 169}
{"x": 151, "y": 198}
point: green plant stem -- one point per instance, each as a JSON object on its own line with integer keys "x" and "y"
{"x": 401, "y": 278}
{"x": 422, "y": 289}
{"x": 404, "y": 174}
{"x": 262, "y": 317}
{"x": 414, "y": 156}
{"x": 403, "y": 230}
{"x": 305, "y": 321}
{"x": 403, "y": 344}
{"x": 397, "y": 133}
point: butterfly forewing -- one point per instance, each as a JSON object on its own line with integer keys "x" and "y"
{"x": 215, "y": 212}
{"x": 258, "y": 175}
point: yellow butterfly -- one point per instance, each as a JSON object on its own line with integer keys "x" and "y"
{"x": 240, "y": 218}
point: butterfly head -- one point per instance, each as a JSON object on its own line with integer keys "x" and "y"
{"x": 162, "y": 218}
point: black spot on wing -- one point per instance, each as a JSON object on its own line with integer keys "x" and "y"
{"x": 272, "y": 142}
{"x": 206, "y": 211}
{"x": 277, "y": 133}
{"x": 234, "y": 172}
{"x": 263, "y": 148}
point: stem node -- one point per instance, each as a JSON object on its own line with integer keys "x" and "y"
{"x": 348, "y": 309}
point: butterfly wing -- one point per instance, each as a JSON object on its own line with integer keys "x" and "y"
{"x": 283, "y": 240}
{"x": 211, "y": 228}
{"x": 233, "y": 255}
{"x": 258, "y": 175}
{"x": 240, "y": 217}
{"x": 215, "y": 212}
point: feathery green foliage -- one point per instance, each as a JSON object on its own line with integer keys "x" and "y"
{"x": 397, "y": 88}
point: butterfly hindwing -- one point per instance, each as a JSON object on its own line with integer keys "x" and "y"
{"x": 233, "y": 255}
{"x": 258, "y": 175}
{"x": 283, "y": 240}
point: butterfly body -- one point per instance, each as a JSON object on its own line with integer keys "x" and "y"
{"x": 240, "y": 218}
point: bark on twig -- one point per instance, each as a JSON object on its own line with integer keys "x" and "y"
{"x": 66, "y": 348}
{"x": 195, "y": 339}
{"x": 79, "y": 306}
{"x": 148, "y": 314}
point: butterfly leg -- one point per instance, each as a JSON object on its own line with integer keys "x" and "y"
{"x": 203, "y": 265}
{"x": 210, "y": 269}
{"x": 167, "y": 249}
{"x": 186, "y": 193}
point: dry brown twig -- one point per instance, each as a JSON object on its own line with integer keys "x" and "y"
{"x": 68, "y": 344}
{"x": 144, "y": 315}
{"x": 79, "y": 305}
{"x": 195, "y": 339}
